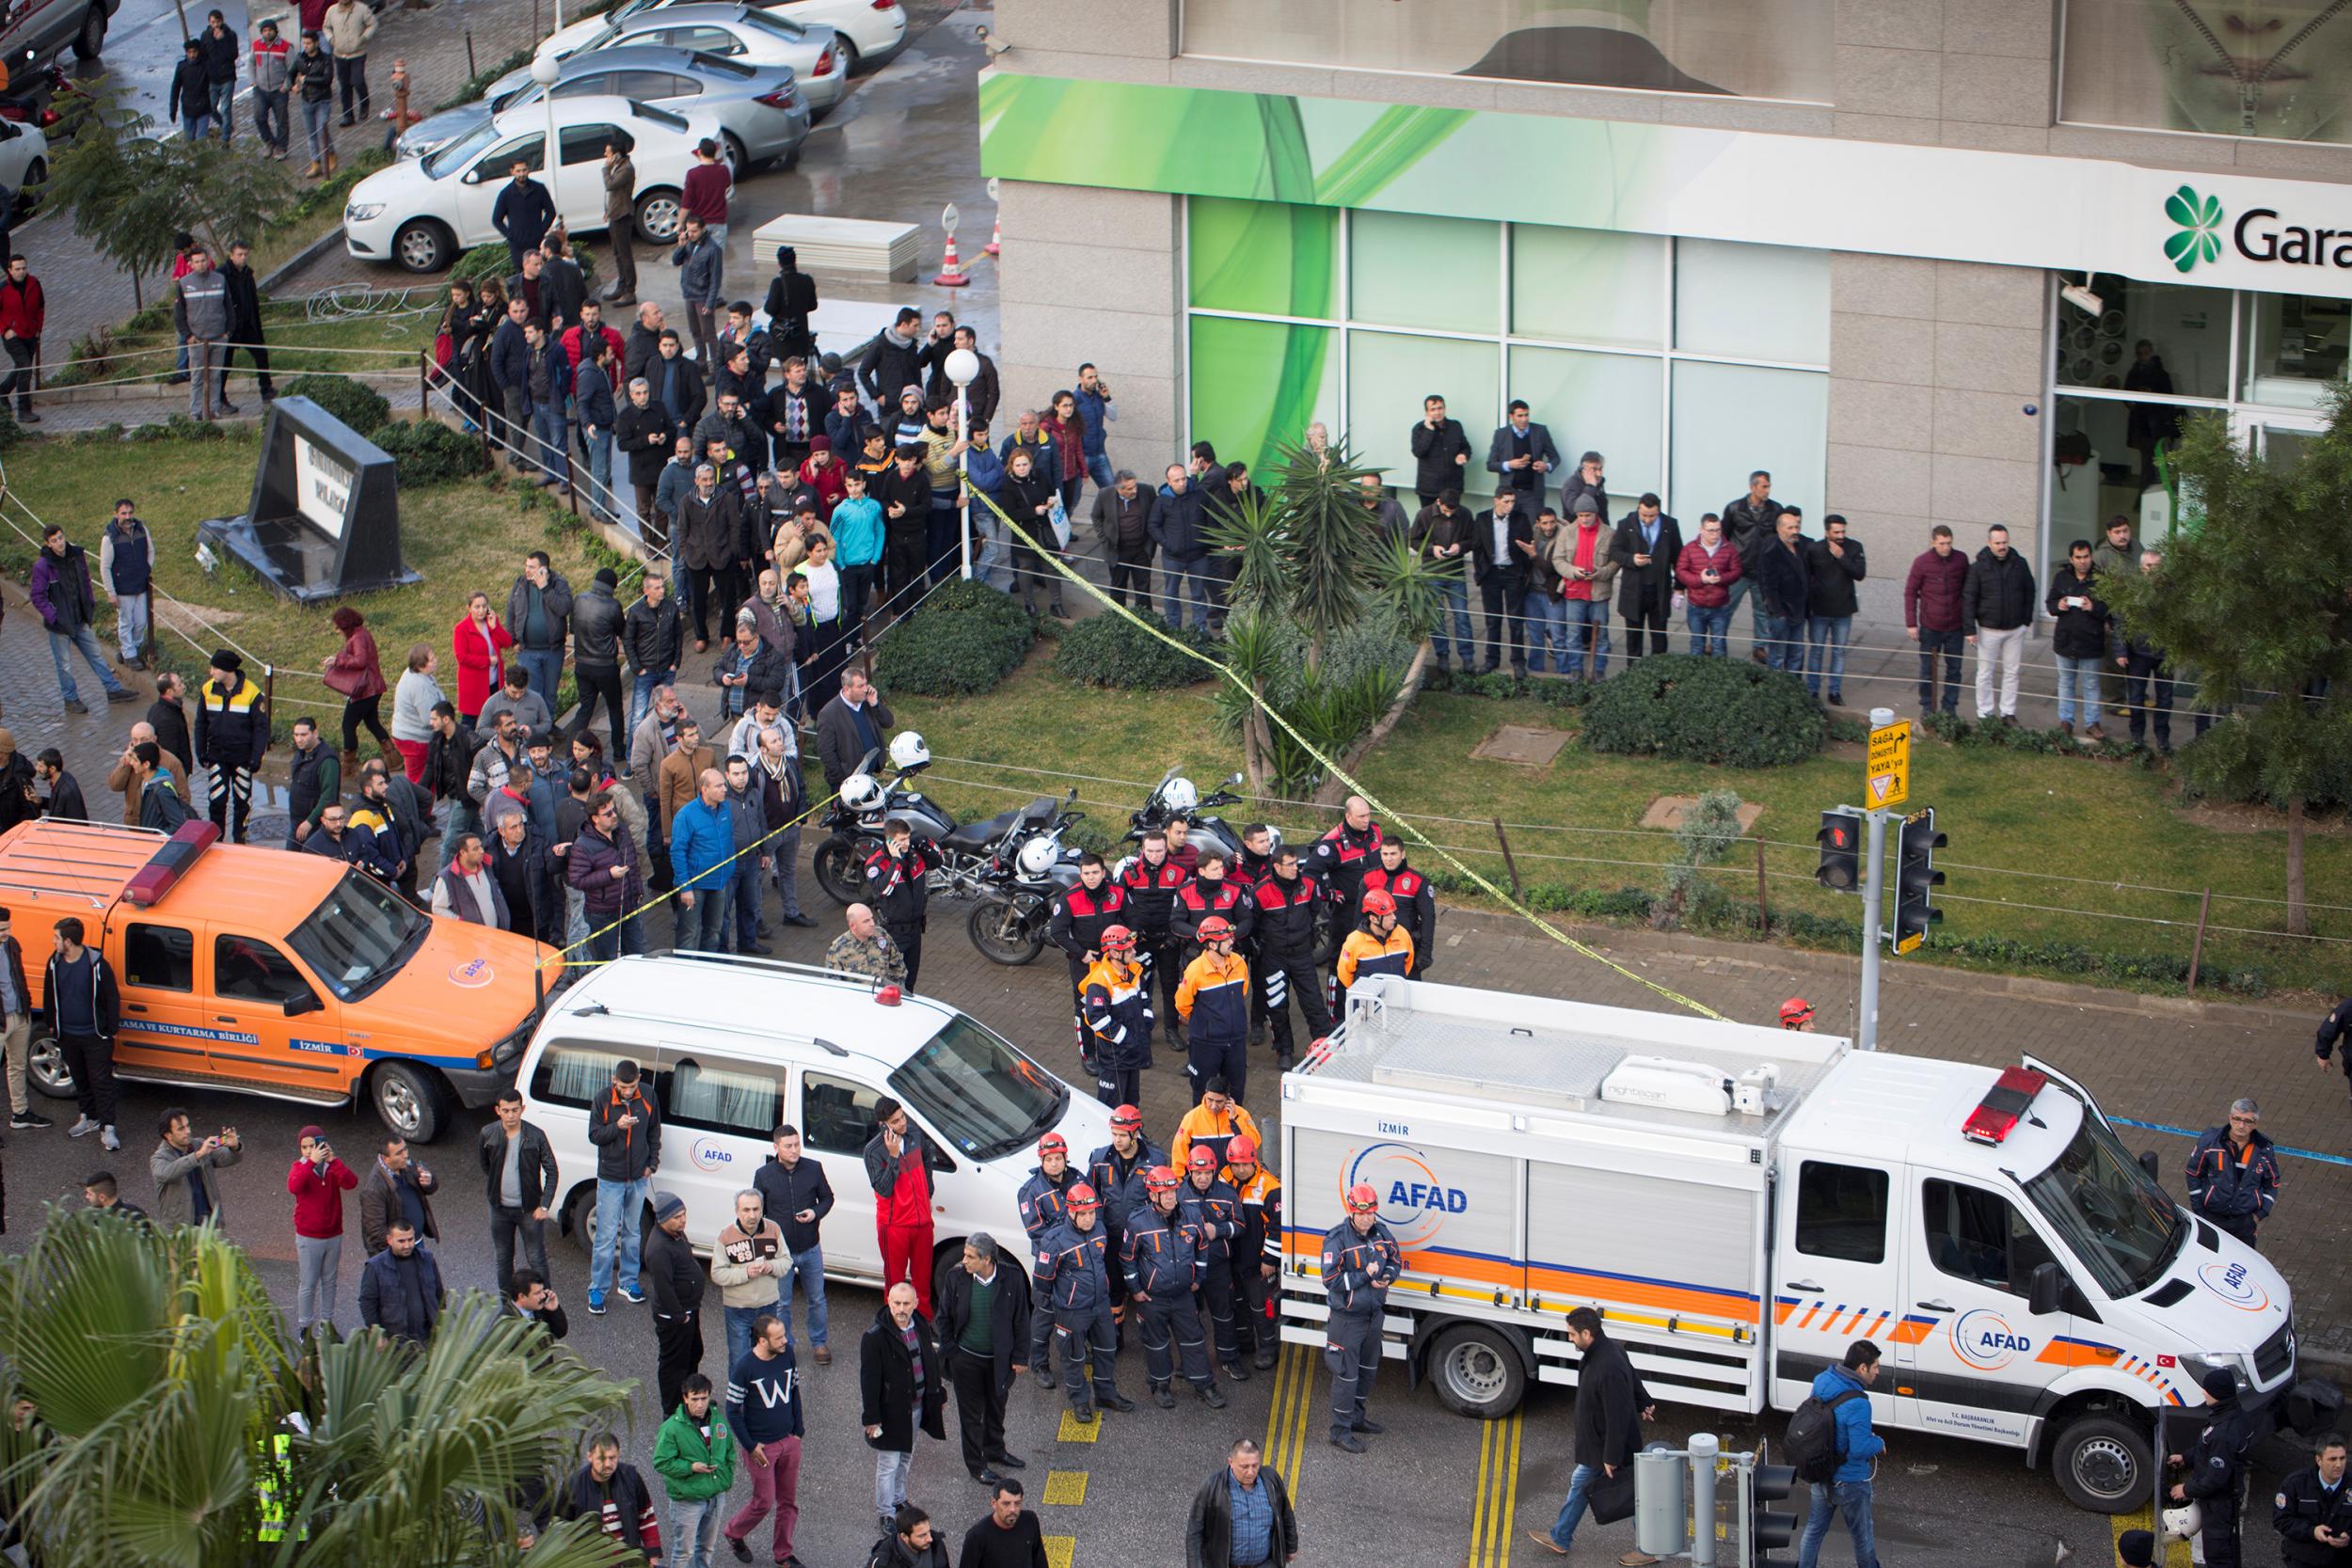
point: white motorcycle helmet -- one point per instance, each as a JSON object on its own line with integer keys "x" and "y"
{"x": 1037, "y": 857}
{"x": 907, "y": 751}
{"x": 2183, "y": 1522}
{"x": 862, "y": 792}
{"x": 1179, "y": 795}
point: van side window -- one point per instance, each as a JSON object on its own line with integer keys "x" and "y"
{"x": 720, "y": 1098}
{"x": 1841, "y": 1211}
{"x": 1975, "y": 1234}
{"x": 837, "y": 1115}
{"x": 573, "y": 1074}
{"x": 250, "y": 970}
{"x": 160, "y": 957}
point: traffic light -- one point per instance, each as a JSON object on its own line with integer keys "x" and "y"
{"x": 1764, "y": 1530}
{"x": 1841, "y": 850}
{"x": 1915, "y": 875}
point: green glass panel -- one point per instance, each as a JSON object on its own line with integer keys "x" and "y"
{"x": 1612, "y": 404}
{"x": 1407, "y": 270}
{"x": 1267, "y": 258}
{"x": 1588, "y": 286}
{"x": 1388, "y": 375}
{"x": 1257, "y": 382}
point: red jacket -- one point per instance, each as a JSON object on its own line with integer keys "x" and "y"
{"x": 1694, "y": 559}
{"x": 571, "y": 344}
{"x": 1932, "y": 592}
{"x": 319, "y": 1197}
{"x": 23, "y": 309}
{"x": 481, "y": 666}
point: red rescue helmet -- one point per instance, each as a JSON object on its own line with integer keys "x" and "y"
{"x": 1215, "y": 929}
{"x": 1242, "y": 1152}
{"x": 1378, "y": 902}
{"x": 1202, "y": 1158}
{"x": 1116, "y": 939}
{"x": 1159, "y": 1178}
{"x": 1082, "y": 1197}
{"x": 1053, "y": 1143}
{"x": 1362, "y": 1199}
{"x": 1127, "y": 1118}
{"x": 1795, "y": 1011}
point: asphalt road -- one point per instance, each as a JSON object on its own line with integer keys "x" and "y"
{"x": 1435, "y": 1488}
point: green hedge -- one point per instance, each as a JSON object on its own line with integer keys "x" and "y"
{"x": 430, "y": 453}
{"x": 1109, "y": 650}
{"x": 1715, "y": 711}
{"x": 354, "y": 402}
{"x": 962, "y": 642}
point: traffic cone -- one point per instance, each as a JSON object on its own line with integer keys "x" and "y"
{"x": 995, "y": 245}
{"x": 952, "y": 274}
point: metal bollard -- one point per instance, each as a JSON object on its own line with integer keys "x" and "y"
{"x": 1704, "y": 1448}
{"x": 1660, "y": 1520}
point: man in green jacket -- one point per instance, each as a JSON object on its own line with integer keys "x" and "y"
{"x": 694, "y": 1454}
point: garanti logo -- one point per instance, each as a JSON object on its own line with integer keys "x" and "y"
{"x": 2198, "y": 236}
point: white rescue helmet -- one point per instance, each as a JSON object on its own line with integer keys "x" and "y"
{"x": 1036, "y": 856}
{"x": 1179, "y": 795}
{"x": 907, "y": 751}
{"x": 862, "y": 792}
{"x": 2183, "y": 1521}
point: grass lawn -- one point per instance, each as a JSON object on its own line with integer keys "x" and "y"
{"x": 1576, "y": 823}
{"x": 460, "y": 536}
{"x": 383, "y": 339}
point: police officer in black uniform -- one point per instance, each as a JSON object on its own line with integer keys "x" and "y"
{"x": 2216, "y": 1465}
{"x": 1287, "y": 902}
{"x": 1081, "y": 916}
{"x": 2312, "y": 1512}
{"x": 1151, "y": 880}
{"x": 1416, "y": 906}
{"x": 896, "y": 876}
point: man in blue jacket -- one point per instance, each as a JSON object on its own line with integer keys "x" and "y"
{"x": 523, "y": 212}
{"x": 1846, "y": 1389}
{"x": 510, "y": 370}
{"x": 2234, "y": 1173}
{"x": 400, "y": 1289}
{"x": 702, "y": 860}
{"x": 1177, "y": 527}
{"x": 547, "y": 382}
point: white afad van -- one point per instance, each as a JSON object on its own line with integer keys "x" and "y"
{"x": 1743, "y": 1203}
{"x": 735, "y": 1048}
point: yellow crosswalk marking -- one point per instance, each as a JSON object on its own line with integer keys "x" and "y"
{"x": 1058, "y": 1550}
{"x": 1494, "y": 1503}
{"x": 1075, "y": 1431}
{"x": 1065, "y": 1488}
{"x": 1286, "y": 1422}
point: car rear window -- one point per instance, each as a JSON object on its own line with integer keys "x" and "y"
{"x": 659, "y": 117}
{"x": 782, "y": 29}
{"x": 718, "y": 65}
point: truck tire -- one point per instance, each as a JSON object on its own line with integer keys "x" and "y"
{"x": 45, "y": 1069}
{"x": 1477, "y": 1371}
{"x": 2101, "y": 1462}
{"x": 409, "y": 1100}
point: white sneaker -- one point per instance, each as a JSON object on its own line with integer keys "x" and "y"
{"x": 83, "y": 1128}
{"x": 108, "y": 1140}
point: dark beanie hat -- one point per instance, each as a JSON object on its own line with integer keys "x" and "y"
{"x": 2220, "y": 1384}
{"x": 2137, "y": 1547}
{"x": 608, "y": 577}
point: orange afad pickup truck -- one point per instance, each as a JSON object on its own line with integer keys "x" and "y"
{"x": 291, "y": 977}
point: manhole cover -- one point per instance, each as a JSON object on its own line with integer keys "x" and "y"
{"x": 1526, "y": 744}
{"x": 1667, "y": 811}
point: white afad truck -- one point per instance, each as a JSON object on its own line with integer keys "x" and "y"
{"x": 1743, "y": 1203}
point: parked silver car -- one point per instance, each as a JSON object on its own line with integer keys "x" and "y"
{"x": 740, "y": 32}
{"x": 761, "y": 107}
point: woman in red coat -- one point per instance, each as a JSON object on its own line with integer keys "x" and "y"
{"x": 480, "y": 643}
{"x": 1067, "y": 428}
{"x": 358, "y": 674}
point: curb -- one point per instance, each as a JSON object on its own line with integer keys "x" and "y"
{"x": 302, "y": 258}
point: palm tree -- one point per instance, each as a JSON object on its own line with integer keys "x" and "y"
{"x": 149, "y": 1375}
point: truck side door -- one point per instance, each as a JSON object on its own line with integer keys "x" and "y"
{"x": 271, "y": 1026}
{"x": 836, "y": 1120}
{"x": 719, "y": 1116}
{"x": 1987, "y": 1357}
{"x": 1836, "y": 1274}
{"x": 165, "y": 1029}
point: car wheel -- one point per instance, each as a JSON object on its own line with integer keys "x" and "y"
{"x": 733, "y": 154}
{"x": 851, "y": 59}
{"x": 423, "y": 245}
{"x": 92, "y": 38}
{"x": 28, "y": 196}
{"x": 581, "y": 1221}
{"x": 660, "y": 215}
{"x": 44, "y": 1065}
{"x": 409, "y": 1099}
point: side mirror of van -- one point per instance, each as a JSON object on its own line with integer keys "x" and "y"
{"x": 2149, "y": 1163}
{"x": 306, "y": 1003}
{"x": 2046, "y": 1289}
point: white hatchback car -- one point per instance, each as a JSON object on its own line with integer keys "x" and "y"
{"x": 425, "y": 212}
{"x": 734, "y": 1048}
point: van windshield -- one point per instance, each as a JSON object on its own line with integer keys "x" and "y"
{"x": 2112, "y": 1215}
{"x": 359, "y": 935}
{"x": 985, "y": 1097}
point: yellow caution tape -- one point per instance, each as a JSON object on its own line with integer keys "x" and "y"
{"x": 1054, "y": 558}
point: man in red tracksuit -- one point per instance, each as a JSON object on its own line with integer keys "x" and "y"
{"x": 24, "y": 314}
{"x": 900, "y": 1162}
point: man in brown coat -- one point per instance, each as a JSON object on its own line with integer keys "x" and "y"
{"x": 123, "y": 779}
{"x": 680, "y": 778}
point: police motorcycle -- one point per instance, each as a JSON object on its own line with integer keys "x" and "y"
{"x": 1009, "y": 924}
{"x": 859, "y": 817}
{"x": 1176, "y": 796}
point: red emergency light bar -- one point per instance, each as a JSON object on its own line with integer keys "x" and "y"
{"x": 147, "y": 885}
{"x": 1996, "y": 1116}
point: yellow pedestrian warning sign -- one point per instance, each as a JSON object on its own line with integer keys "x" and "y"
{"x": 1888, "y": 781}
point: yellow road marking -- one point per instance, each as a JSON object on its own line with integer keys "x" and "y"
{"x": 2176, "y": 1553}
{"x": 1059, "y": 1549}
{"x": 1286, "y": 1422}
{"x": 1075, "y": 1431}
{"x": 1065, "y": 1488}
{"x": 1495, "y": 1500}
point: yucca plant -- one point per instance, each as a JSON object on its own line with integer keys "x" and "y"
{"x": 1251, "y": 537}
{"x": 1409, "y": 590}
{"x": 1329, "y": 548}
{"x": 149, "y": 1375}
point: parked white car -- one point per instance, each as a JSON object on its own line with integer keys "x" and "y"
{"x": 425, "y": 212}
{"x": 23, "y": 154}
{"x": 870, "y": 31}
{"x": 734, "y": 1048}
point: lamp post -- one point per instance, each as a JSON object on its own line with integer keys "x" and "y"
{"x": 544, "y": 68}
{"x": 964, "y": 367}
